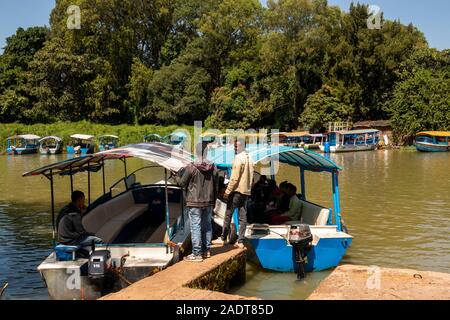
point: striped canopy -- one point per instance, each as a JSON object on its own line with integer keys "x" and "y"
{"x": 305, "y": 159}
{"x": 164, "y": 155}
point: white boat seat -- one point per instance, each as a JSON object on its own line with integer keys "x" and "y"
{"x": 313, "y": 215}
{"x": 107, "y": 220}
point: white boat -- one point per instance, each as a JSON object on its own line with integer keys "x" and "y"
{"x": 351, "y": 141}
{"x": 50, "y": 145}
{"x": 143, "y": 224}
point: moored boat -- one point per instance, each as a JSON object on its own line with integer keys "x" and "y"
{"x": 351, "y": 141}
{"x": 50, "y": 145}
{"x": 142, "y": 221}
{"x": 275, "y": 247}
{"x": 304, "y": 140}
{"x": 81, "y": 144}
{"x": 22, "y": 144}
{"x": 108, "y": 142}
{"x": 433, "y": 141}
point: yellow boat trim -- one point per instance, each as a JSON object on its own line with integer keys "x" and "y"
{"x": 435, "y": 133}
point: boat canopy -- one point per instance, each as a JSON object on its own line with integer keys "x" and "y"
{"x": 367, "y": 131}
{"x": 305, "y": 159}
{"x": 25, "y": 137}
{"x": 292, "y": 134}
{"x": 435, "y": 133}
{"x": 58, "y": 139}
{"x": 82, "y": 137}
{"x": 166, "y": 156}
{"x": 153, "y": 135}
{"x": 109, "y": 136}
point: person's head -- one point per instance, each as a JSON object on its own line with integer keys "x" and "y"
{"x": 291, "y": 189}
{"x": 263, "y": 179}
{"x": 78, "y": 199}
{"x": 272, "y": 184}
{"x": 239, "y": 146}
{"x": 283, "y": 186}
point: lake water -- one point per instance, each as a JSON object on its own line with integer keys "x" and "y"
{"x": 395, "y": 203}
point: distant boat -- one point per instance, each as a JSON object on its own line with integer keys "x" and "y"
{"x": 50, "y": 145}
{"x": 153, "y": 138}
{"x": 81, "y": 144}
{"x": 352, "y": 140}
{"x": 108, "y": 142}
{"x": 433, "y": 141}
{"x": 177, "y": 139}
{"x": 22, "y": 144}
{"x": 304, "y": 140}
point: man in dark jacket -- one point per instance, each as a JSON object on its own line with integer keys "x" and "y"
{"x": 199, "y": 179}
{"x": 70, "y": 228}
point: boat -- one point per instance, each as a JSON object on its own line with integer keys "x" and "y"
{"x": 22, "y": 144}
{"x": 81, "y": 144}
{"x": 142, "y": 222}
{"x": 108, "y": 142}
{"x": 178, "y": 139}
{"x": 153, "y": 138}
{"x": 274, "y": 247}
{"x": 433, "y": 141}
{"x": 304, "y": 140}
{"x": 351, "y": 140}
{"x": 50, "y": 145}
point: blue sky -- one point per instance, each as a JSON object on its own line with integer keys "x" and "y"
{"x": 430, "y": 16}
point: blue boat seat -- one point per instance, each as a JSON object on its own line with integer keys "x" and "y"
{"x": 66, "y": 253}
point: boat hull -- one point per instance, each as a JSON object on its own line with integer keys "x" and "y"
{"x": 71, "y": 150}
{"x": 349, "y": 148}
{"x": 68, "y": 280}
{"x": 21, "y": 151}
{"x": 276, "y": 254}
{"x": 49, "y": 151}
{"x": 430, "y": 147}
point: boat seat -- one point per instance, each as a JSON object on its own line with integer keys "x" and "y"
{"x": 107, "y": 220}
{"x": 313, "y": 215}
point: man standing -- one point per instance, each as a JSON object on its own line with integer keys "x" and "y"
{"x": 70, "y": 228}
{"x": 199, "y": 179}
{"x": 237, "y": 193}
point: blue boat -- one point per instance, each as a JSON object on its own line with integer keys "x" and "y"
{"x": 81, "y": 144}
{"x": 270, "y": 245}
{"x": 22, "y": 144}
{"x": 433, "y": 141}
{"x": 108, "y": 142}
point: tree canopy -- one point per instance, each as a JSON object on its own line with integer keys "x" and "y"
{"x": 232, "y": 63}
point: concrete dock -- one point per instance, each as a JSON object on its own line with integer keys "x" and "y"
{"x": 349, "y": 282}
{"x": 205, "y": 280}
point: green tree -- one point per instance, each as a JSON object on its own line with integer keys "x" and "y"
{"x": 323, "y": 107}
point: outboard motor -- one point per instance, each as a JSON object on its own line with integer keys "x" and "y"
{"x": 99, "y": 266}
{"x": 300, "y": 238}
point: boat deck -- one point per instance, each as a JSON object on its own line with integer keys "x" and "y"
{"x": 190, "y": 280}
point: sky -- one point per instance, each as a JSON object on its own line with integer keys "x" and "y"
{"x": 430, "y": 16}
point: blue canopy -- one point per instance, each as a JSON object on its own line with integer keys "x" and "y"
{"x": 223, "y": 157}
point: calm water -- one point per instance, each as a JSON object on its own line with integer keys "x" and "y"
{"x": 395, "y": 203}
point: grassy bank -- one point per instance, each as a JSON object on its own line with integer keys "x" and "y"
{"x": 127, "y": 133}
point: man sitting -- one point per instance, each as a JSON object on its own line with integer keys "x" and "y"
{"x": 294, "y": 212}
{"x": 70, "y": 229}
